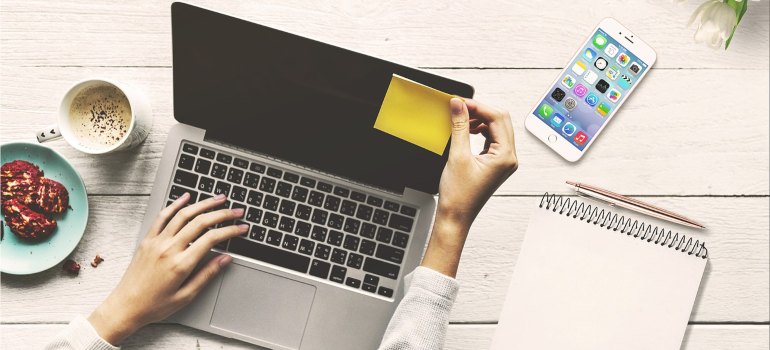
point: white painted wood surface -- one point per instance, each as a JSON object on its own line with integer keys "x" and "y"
{"x": 694, "y": 138}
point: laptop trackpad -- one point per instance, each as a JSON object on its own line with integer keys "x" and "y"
{"x": 263, "y": 306}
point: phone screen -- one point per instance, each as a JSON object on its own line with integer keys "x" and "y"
{"x": 590, "y": 89}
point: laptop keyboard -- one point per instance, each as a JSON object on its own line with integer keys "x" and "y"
{"x": 310, "y": 226}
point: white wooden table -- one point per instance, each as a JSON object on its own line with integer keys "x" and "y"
{"x": 694, "y": 138}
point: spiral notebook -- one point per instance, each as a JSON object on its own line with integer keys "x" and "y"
{"x": 594, "y": 277}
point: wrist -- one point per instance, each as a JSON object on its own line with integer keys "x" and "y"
{"x": 111, "y": 324}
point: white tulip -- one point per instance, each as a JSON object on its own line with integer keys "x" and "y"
{"x": 715, "y": 21}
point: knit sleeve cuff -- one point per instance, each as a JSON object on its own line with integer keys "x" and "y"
{"x": 434, "y": 282}
{"x": 82, "y": 335}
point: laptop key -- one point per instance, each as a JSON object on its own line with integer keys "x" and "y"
{"x": 320, "y": 269}
{"x": 206, "y": 184}
{"x": 323, "y": 186}
{"x": 283, "y": 189}
{"x": 293, "y": 178}
{"x": 342, "y": 192}
{"x": 335, "y": 221}
{"x": 302, "y": 229}
{"x": 381, "y": 268}
{"x": 369, "y": 288}
{"x": 351, "y": 226}
{"x": 254, "y": 215}
{"x": 371, "y": 279}
{"x": 339, "y": 256}
{"x": 204, "y": 197}
{"x": 348, "y": 207}
{"x": 251, "y": 180}
{"x": 319, "y": 216}
{"x": 352, "y": 282}
{"x": 306, "y": 247}
{"x": 235, "y": 175}
{"x": 274, "y": 172}
{"x": 351, "y": 243}
{"x": 238, "y": 194}
{"x": 224, "y": 158}
{"x": 270, "y": 219}
{"x": 177, "y": 192}
{"x": 322, "y": 251}
{"x": 307, "y": 182}
{"x": 222, "y": 188}
{"x": 207, "y": 153}
{"x": 271, "y": 202}
{"x": 332, "y": 203}
{"x": 319, "y": 233}
{"x": 377, "y": 202}
{"x": 392, "y": 206}
{"x": 400, "y": 239}
{"x": 185, "y": 178}
{"x": 384, "y": 234}
{"x": 290, "y": 242}
{"x": 368, "y": 230}
{"x": 257, "y": 233}
{"x": 254, "y": 198}
{"x": 402, "y": 223}
{"x": 303, "y": 212}
{"x": 388, "y": 253}
{"x": 267, "y": 185}
{"x": 380, "y": 217}
{"x": 186, "y": 161}
{"x": 286, "y": 224}
{"x": 386, "y": 292}
{"x": 202, "y": 166}
{"x": 338, "y": 274}
{"x": 270, "y": 255}
{"x": 355, "y": 260}
{"x": 357, "y": 196}
{"x": 241, "y": 163}
{"x": 335, "y": 238}
{"x": 219, "y": 171}
{"x": 192, "y": 149}
{"x": 287, "y": 207}
{"x": 367, "y": 247}
{"x": 299, "y": 194}
{"x": 408, "y": 211}
{"x": 316, "y": 198}
{"x": 364, "y": 212}
{"x": 273, "y": 237}
{"x": 257, "y": 168}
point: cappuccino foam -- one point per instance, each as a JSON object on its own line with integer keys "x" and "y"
{"x": 100, "y": 116}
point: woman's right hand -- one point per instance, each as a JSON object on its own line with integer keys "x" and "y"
{"x": 469, "y": 180}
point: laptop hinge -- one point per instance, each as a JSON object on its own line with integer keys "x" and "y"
{"x": 259, "y": 154}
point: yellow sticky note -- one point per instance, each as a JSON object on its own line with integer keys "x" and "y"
{"x": 416, "y": 113}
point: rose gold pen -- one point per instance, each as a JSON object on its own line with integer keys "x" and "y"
{"x": 629, "y": 203}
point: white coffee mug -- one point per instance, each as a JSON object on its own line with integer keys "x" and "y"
{"x": 129, "y": 135}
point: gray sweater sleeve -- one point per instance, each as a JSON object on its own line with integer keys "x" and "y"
{"x": 422, "y": 317}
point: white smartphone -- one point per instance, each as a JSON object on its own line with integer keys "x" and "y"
{"x": 590, "y": 90}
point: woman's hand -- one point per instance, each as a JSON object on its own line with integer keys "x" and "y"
{"x": 158, "y": 282}
{"x": 469, "y": 180}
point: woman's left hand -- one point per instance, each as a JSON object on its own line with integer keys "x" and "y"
{"x": 159, "y": 281}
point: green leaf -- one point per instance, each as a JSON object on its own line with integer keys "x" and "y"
{"x": 740, "y": 10}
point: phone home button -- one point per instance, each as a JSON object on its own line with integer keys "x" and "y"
{"x": 552, "y": 138}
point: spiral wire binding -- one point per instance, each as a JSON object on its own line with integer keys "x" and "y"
{"x": 593, "y": 214}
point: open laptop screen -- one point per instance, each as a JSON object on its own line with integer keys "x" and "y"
{"x": 296, "y": 99}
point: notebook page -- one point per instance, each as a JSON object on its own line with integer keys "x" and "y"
{"x": 579, "y": 286}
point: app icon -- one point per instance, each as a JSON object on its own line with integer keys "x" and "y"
{"x": 579, "y": 67}
{"x": 581, "y": 138}
{"x": 635, "y": 68}
{"x": 603, "y": 109}
{"x": 589, "y": 54}
{"x": 558, "y": 94}
{"x": 570, "y": 103}
{"x": 600, "y": 41}
{"x": 614, "y": 95}
{"x": 623, "y": 59}
{"x": 580, "y": 90}
{"x": 600, "y": 63}
{"x": 557, "y": 120}
{"x": 590, "y": 77}
{"x": 611, "y": 50}
{"x": 624, "y": 82}
{"x": 545, "y": 111}
{"x": 592, "y": 99}
{"x": 612, "y": 72}
{"x": 568, "y": 81}
{"x": 602, "y": 86}
{"x": 568, "y": 129}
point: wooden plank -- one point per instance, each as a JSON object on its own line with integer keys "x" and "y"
{"x": 459, "y": 337}
{"x": 491, "y": 33}
{"x": 677, "y": 135}
{"x": 734, "y": 286}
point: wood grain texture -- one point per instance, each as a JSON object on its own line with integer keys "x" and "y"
{"x": 459, "y": 337}
{"x": 489, "y": 33}
{"x": 734, "y": 287}
{"x": 670, "y": 134}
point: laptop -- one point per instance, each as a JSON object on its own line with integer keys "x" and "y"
{"x": 338, "y": 211}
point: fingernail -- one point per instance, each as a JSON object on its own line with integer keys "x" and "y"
{"x": 238, "y": 211}
{"x": 243, "y": 227}
{"x": 219, "y": 197}
{"x": 456, "y": 105}
{"x": 183, "y": 196}
{"x": 224, "y": 260}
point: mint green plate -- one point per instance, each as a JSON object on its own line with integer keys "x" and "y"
{"x": 20, "y": 257}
